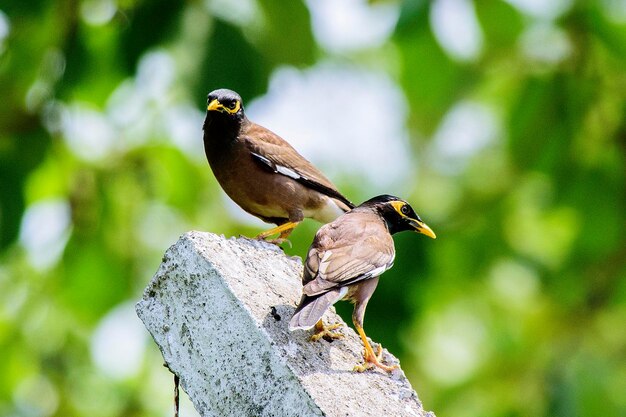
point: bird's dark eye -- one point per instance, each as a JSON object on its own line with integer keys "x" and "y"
{"x": 232, "y": 105}
{"x": 405, "y": 210}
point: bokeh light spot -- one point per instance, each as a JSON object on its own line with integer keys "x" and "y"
{"x": 44, "y": 232}
{"x": 456, "y": 27}
{"x": 344, "y": 119}
{"x": 118, "y": 343}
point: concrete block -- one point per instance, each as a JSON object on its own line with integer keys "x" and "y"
{"x": 219, "y": 310}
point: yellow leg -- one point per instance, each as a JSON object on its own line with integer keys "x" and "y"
{"x": 370, "y": 359}
{"x": 284, "y": 229}
{"x": 326, "y": 332}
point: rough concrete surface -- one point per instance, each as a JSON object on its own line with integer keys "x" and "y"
{"x": 219, "y": 309}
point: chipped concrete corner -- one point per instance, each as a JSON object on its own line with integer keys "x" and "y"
{"x": 219, "y": 308}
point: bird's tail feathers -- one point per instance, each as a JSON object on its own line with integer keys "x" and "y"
{"x": 342, "y": 204}
{"x": 311, "y": 309}
{"x": 326, "y": 190}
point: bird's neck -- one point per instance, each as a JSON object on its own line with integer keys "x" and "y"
{"x": 216, "y": 124}
{"x": 220, "y": 133}
{"x": 392, "y": 226}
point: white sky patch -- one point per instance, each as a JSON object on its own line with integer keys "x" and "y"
{"x": 155, "y": 75}
{"x": 98, "y": 12}
{"x": 38, "y": 92}
{"x": 344, "y": 119}
{"x": 138, "y": 111}
{"x": 456, "y": 28}
{"x": 542, "y": 9}
{"x": 515, "y": 286}
{"x": 545, "y": 42}
{"x": 44, "y": 232}
{"x": 160, "y": 226}
{"x": 615, "y": 10}
{"x": 466, "y": 129}
{"x": 125, "y": 104}
{"x": 455, "y": 345}
{"x": 139, "y": 108}
{"x": 240, "y": 12}
{"x": 51, "y": 70}
{"x": 118, "y": 343}
{"x": 183, "y": 124}
{"x": 87, "y": 133}
{"x": 148, "y": 90}
{"x": 5, "y": 29}
{"x": 128, "y": 110}
{"x": 348, "y": 25}
{"x": 36, "y": 396}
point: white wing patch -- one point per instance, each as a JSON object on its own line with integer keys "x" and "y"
{"x": 378, "y": 271}
{"x": 287, "y": 172}
{"x": 327, "y": 255}
{"x": 342, "y": 292}
{"x": 324, "y": 262}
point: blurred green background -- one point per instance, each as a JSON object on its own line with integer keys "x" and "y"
{"x": 502, "y": 122}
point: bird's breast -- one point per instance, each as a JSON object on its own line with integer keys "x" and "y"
{"x": 323, "y": 208}
{"x": 253, "y": 188}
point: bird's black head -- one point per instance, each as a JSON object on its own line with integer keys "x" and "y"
{"x": 398, "y": 214}
{"x": 224, "y": 107}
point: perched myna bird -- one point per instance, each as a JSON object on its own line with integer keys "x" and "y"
{"x": 345, "y": 260}
{"x": 262, "y": 173}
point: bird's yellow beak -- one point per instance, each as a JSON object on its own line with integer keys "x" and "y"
{"x": 421, "y": 227}
{"x": 214, "y": 105}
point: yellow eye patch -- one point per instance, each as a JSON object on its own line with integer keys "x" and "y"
{"x": 215, "y": 105}
{"x": 397, "y": 206}
{"x": 235, "y": 109}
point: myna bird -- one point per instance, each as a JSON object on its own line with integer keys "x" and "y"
{"x": 345, "y": 260}
{"x": 262, "y": 173}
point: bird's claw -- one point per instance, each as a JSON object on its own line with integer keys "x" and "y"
{"x": 362, "y": 368}
{"x": 371, "y": 360}
{"x": 326, "y": 333}
{"x": 279, "y": 242}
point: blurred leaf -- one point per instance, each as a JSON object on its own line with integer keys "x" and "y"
{"x": 93, "y": 280}
{"x": 19, "y": 155}
{"x": 246, "y": 72}
{"x": 165, "y": 168}
{"x": 543, "y": 122}
{"x": 501, "y": 23}
{"x": 288, "y": 25}
{"x": 611, "y": 34}
{"x": 33, "y": 32}
{"x": 531, "y": 227}
{"x": 90, "y": 52}
{"x": 431, "y": 81}
{"x": 148, "y": 24}
{"x": 601, "y": 198}
{"x": 583, "y": 389}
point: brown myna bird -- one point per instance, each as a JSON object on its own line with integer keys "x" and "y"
{"x": 262, "y": 173}
{"x": 344, "y": 262}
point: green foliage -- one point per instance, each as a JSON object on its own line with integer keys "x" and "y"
{"x": 248, "y": 73}
{"x": 518, "y": 307}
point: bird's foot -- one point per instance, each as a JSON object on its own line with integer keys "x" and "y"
{"x": 278, "y": 241}
{"x": 325, "y": 332}
{"x": 371, "y": 360}
{"x": 282, "y": 231}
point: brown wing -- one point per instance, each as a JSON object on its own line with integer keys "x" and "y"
{"x": 355, "y": 247}
{"x": 276, "y": 154}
